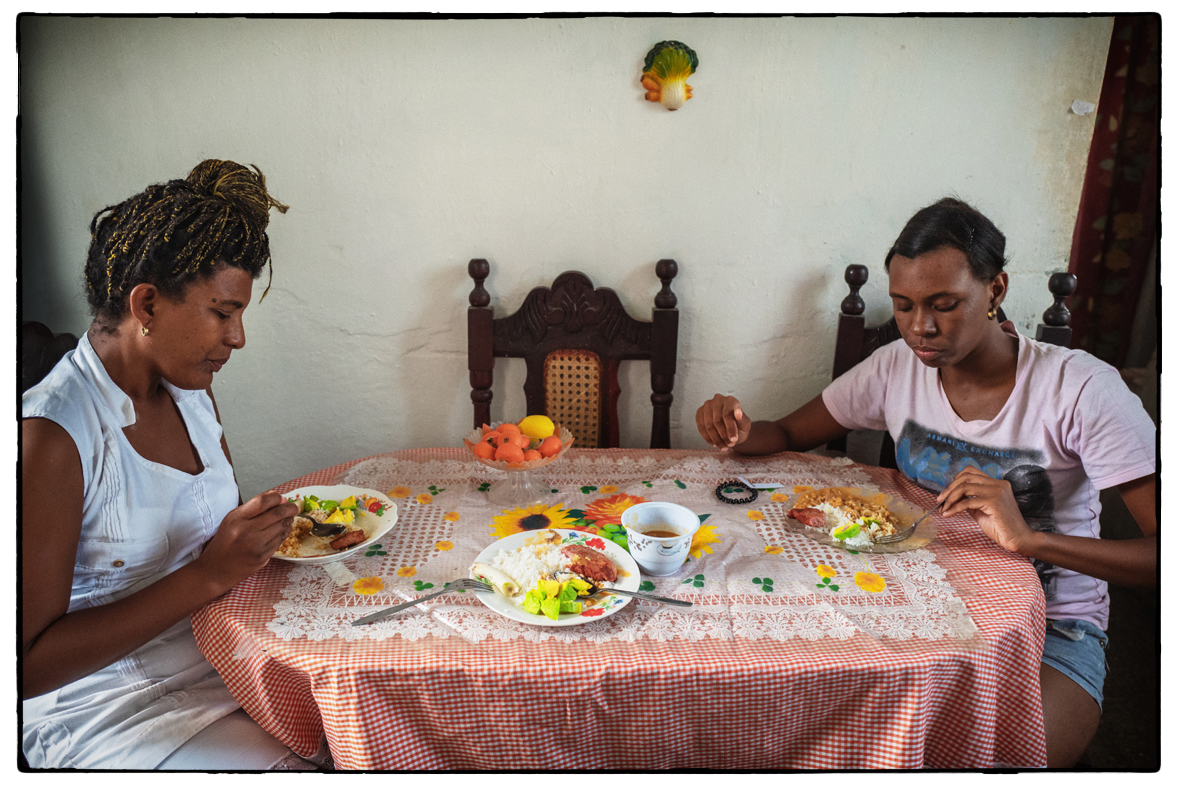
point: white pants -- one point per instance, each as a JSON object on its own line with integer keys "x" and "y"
{"x": 235, "y": 742}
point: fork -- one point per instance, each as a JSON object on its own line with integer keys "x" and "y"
{"x": 457, "y": 584}
{"x": 904, "y": 534}
{"x": 594, "y": 589}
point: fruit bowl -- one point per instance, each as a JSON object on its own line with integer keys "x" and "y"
{"x": 520, "y": 487}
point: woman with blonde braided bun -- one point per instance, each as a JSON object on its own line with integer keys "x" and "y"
{"x": 132, "y": 518}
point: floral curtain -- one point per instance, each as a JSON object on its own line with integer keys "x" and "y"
{"x": 1117, "y": 225}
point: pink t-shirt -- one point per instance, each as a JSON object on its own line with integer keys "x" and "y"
{"x": 1070, "y": 429}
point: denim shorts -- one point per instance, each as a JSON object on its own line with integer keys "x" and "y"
{"x": 1076, "y": 649}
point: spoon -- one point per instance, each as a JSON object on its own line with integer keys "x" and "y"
{"x": 322, "y": 530}
{"x": 593, "y": 590}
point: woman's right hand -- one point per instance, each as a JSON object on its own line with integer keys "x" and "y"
{"x": 247, "y": 537}
{"x": 722, "y": 423}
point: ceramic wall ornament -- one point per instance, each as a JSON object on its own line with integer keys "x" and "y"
{"x": 665, "y": 73}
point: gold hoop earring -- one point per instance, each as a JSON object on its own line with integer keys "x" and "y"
{"x": 143, "y": 330}
{"x": 990, "y": 314}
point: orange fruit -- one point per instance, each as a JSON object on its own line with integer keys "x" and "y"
{"x": 483, "y": 449}
{"x": 509, "y": 453}
{"x": 549, "y": 446}
{"x": 532, "y": 454}
{"x": 487, "y": 430}
{"x": 513, "y": 436}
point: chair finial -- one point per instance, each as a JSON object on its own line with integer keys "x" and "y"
{"x": 666, "y": 270}
{"x": 1062, "y": 285}
{"x": 478, "y": 269}
{"x": 856, "y": 277}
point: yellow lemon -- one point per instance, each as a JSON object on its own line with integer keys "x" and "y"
{"x": 539, "y": 427}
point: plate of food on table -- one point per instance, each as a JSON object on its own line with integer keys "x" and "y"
{"x": 859, "y": 519}
{"x": 334, "y": 522}
{"x": 548, "y": 577}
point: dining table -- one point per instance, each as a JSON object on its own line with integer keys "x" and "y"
{"x": 795, "y": 653}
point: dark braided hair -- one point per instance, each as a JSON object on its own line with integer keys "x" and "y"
{"x": 177, "y": 232}
{"x": 951, "y": 222}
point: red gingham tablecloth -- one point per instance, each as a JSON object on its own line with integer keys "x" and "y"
{"x": 769, "y": 670}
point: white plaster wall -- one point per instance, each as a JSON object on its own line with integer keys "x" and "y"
{"x": 405, "y": 148}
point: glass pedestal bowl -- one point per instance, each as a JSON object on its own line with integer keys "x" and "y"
{"x": 522, "y": 485}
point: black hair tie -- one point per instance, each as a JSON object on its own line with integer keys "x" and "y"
{"x": 737, "y": 485}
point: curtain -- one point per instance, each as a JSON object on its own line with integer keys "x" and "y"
{"x": 1117, "y": 224}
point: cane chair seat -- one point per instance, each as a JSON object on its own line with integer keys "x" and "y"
{"x": 572, "y": 393}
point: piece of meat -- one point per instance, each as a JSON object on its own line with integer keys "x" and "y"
{"x": 590, "y": 564}
{"x": 810, "y": 516}
{"x": 347, "y": 540}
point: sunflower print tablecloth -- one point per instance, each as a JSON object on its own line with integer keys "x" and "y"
{"x": 926, "y": 658}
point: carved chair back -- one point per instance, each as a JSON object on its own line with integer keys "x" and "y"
{"x": 40, "y": 350}
{"x": 856, "y": 341}
{"x": 572, "y": 336}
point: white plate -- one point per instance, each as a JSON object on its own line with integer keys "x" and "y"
{"x": 374, "y": 526}
{"x": 629, "y": 578}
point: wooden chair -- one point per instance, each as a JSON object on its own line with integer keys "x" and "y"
{"x": 40, "y": 350}
{"x": 856, "y": 341}
{"x": 572, "y": 337}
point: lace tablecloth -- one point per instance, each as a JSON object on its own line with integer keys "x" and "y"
{"x": 795, "y": 655}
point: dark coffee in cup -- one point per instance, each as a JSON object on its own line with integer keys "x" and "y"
{"x": 659, "y": 529}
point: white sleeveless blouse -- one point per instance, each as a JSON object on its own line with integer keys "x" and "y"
{"x": 140, "y": 521}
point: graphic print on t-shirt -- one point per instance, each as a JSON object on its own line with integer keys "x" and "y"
{"x": 932, "y": 460}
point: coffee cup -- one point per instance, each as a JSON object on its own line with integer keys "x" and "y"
{"x": 659, "y": 535}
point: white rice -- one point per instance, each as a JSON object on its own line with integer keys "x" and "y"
{"x": 527, "y": 565}
{"x": 835, "y": 516}
{"x": 837, "y": 519}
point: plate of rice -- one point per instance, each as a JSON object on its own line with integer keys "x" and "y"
{"x": 527, "y": 557}
{"x": 858, "y": 519}
{"x": 357, "y": 509}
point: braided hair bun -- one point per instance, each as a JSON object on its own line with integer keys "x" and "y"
{"x": 237, "y": 187}
{"x": 176, "y": 232}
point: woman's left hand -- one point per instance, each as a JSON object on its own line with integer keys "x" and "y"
{"x": 991, "y": 503}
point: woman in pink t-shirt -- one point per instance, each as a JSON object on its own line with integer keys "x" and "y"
{"x": 1020, "y": 434}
